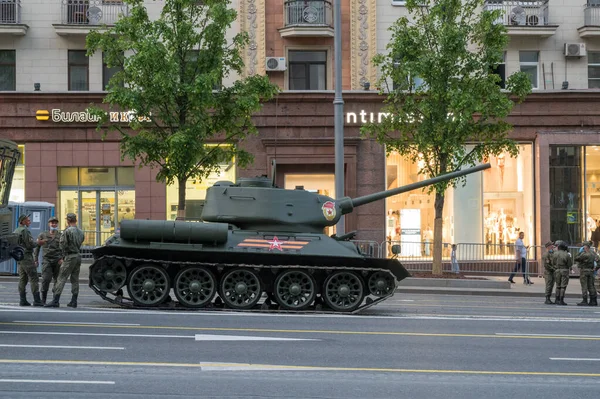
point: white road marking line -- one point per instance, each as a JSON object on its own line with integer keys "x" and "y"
{"x": 74, "y": 322}
{"x": 549, "y": 335}
{"x": 206, "y": 366}
{"x": 96, "y": 334}
{"x": 58, "y": 381}
{"x": 63, "y": 347}
{"x": 214, "y": 337}
{"x": 504, "y": 318}
{"x": 575, "y": 359}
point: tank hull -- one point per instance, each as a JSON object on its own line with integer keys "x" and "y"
{"x": 294, "y": 272}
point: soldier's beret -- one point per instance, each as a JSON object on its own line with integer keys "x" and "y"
{"x": 71, "y": 217}
{"x": 23, "y": 217}
{"x": 53, "y": 219}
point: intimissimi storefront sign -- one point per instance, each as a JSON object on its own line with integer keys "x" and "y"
{"x": 57, "y": 115}
{"x": 361, "y": 117}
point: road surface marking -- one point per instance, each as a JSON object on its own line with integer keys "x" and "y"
{"x": 551, "y": 335}
{"x": 210, "y": 337}
{"x": 95, "y": 334}
{"x": 575, "y": 359}
{"x": 63, "y": 347}
{"x": 262, "y": 367}
{"x": 77, "y": 322}
{"x": 266, "y": 330}
{"x": 58, "y": 381}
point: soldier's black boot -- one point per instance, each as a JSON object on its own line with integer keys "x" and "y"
{"x": 23, "y": 301}
{"x": 593, "y": 301}
{"x": 37, "y": 301}
{"x": 44, "y": 296}
{"x": 54, "y": 303}
{"x": 73, "y": 303}
{"x": 548, "y": 300}
{"x": 584, "y": 302}
{"x": 557, "y": 297}
{"x": 562, "y": 298}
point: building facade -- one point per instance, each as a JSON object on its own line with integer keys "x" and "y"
{"x": 550, "y": 190}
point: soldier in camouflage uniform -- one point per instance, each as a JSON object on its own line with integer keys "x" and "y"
{"x": 586, "y": 260}
{"x": 549, "y": 271}
{"x": 70, "y": 245}
{"x": 562, "y": 262}
{"x": 27, "y": 268}
{"x": 49, "y": 241}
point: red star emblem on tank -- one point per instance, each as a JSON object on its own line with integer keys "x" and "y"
{"x": 328, "y": 210}
{"x": 275, "y": 244}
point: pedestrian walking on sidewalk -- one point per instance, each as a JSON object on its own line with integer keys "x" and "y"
{"x": 521, "y": 260}
{"x": 49, "y": 242}
{"x": 563, "y": 263}
{"x": 586, "y": 261}
{"x": 27, "y": 268}
{"x": 70, "y": 245}
{"x": 549, "y": 271}
{"x": 455, "y": 267}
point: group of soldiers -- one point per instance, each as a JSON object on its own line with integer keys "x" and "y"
{"x": 557, "y": 267}
{"x": 61, "y": 260}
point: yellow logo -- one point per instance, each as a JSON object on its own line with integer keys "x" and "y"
{"x": 42, "y": 115}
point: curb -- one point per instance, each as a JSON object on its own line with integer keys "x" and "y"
{"x": 474, "y": 292}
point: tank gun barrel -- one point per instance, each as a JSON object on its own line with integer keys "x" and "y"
{"x": 388, "y": 193}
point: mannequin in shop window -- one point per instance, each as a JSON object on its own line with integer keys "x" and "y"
{"x": 591, "y": 225}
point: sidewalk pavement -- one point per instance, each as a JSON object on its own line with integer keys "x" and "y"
{"x": 491, "y": 285}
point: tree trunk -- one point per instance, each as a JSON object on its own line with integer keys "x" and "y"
{"x": 181, "y": 200}
{"x": 437, "y": 233}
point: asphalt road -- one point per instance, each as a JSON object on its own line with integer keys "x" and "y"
{"x": 424, "y": 346}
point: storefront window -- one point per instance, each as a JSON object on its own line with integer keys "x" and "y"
{"x": 566, "y": 165}
{"x": 17, "y": 190}
{"x": 317, "y": 183}
{"x": 101, "y": 197}
{"x": 195, "y": 193}
{"x": 592, "y": 194}
{"x": 487, "y": 212}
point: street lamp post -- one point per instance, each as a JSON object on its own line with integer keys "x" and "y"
{"x": 338, "y": 105}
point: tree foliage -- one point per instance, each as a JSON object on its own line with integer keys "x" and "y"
{"x": 455, "y": 118}
{"x": 171, "y": 70}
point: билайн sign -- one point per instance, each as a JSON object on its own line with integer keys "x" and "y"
{"x": 59, "y": 115}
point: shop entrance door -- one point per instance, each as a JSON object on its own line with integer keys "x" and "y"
{"x": 97, "y": 215}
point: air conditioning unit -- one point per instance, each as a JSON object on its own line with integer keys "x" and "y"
{"x": 275, "y": 64}
{"x": 575, "y": 49}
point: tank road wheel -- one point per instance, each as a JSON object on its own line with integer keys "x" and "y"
{"x": 148, "y": 285}
{"x": 343, "y": 291}
{"x": 381, "y": 284}
{"x": 109, "y": 275}
{"x": 241, "y": 289}
{"x": 295, "y": 289}
{"x": 195, "y": 287}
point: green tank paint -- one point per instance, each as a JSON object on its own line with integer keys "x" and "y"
{"x": 254, "y": 239}
{"x": 9, "y": 157}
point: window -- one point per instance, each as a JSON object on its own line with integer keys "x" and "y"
{"x": 108, "y": 73}
{"x": 8, "y": 70}
{"x": 594, "y": 70}
{"x": 529, "y": 65}
{"x": 500, "y": 70}
{"x": 79, "y": 65}
{"x": 308, "y": 70}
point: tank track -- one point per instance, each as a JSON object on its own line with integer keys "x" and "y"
{"x": 126, "y": 302}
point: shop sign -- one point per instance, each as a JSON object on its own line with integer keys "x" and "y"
{"x": 362, "y": 117}
{"x": 60, "y": 116}
{"x": 572, "y": 217}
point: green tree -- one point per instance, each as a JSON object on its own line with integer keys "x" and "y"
{"x": 455, "y": 118}
{"x": 170, "y": 72}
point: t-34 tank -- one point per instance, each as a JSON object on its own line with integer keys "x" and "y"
{"x": 255, "y": 239}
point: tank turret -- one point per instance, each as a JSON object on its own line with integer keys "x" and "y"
{"x": 257, "y": 204}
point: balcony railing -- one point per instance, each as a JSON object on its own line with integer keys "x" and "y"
{"x": 591, "y": 15}
{"x": 92, "y": 12}
{"x": 10, "y": 11}
{"x": 308, "y": 13}
{"x": 520, "y": 13}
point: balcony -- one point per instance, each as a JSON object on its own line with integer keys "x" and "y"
{"x": 307, "y": 19}
{"x": 591, "y": 18}
{"x": 78, "y": 17}
{"x": 523, "y": 18}
{"x": 10, "y": 18}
